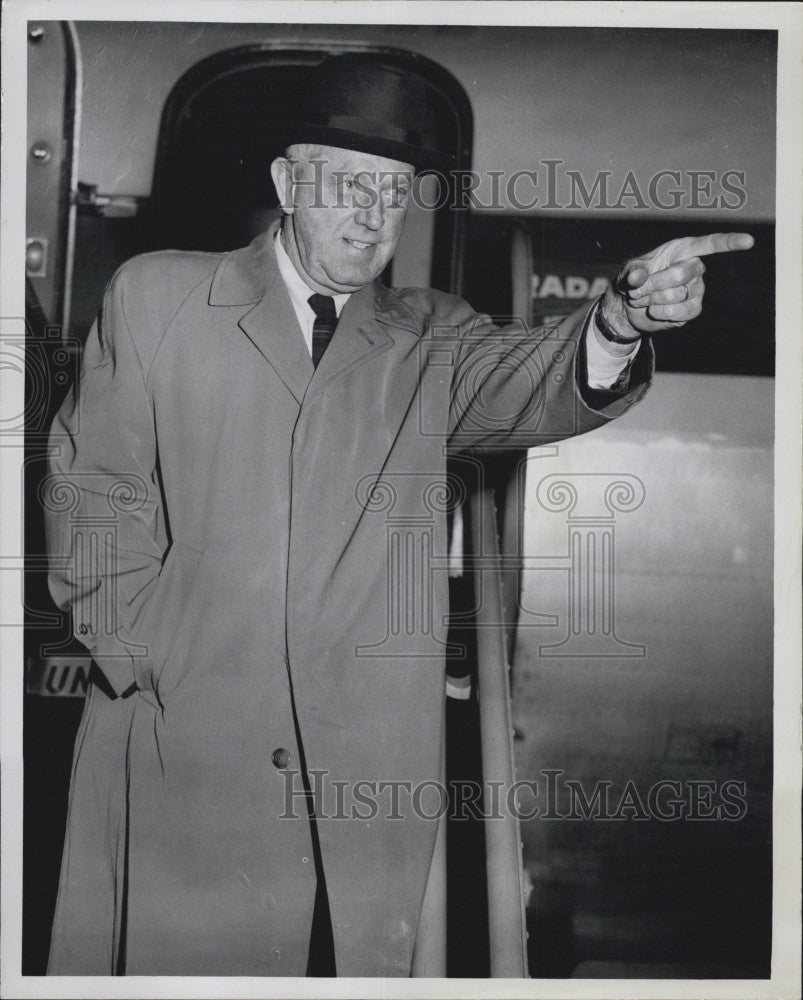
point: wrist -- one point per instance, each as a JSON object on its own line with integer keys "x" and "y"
{"x": 621, "y": 334}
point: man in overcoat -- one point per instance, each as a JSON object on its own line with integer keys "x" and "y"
{"x": 228, "y": 477}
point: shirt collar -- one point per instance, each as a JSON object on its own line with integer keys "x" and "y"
{"x": 298, "y": 288}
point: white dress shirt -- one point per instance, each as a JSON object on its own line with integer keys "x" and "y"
{"x": 604, "y": 364}
{"x": 300, "y": 291}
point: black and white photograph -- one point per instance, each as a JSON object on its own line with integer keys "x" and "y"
{"x": 401, "y": 478}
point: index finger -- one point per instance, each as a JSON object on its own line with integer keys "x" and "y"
{"x": 702, "y": 246}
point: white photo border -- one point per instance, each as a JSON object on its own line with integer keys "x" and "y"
{"x": 783, "y": 17}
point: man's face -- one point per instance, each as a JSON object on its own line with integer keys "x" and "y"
{"x": 345, "y": 214}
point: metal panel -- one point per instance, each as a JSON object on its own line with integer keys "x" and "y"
{"x": 680, "y": 688}
{"x": 49, "y": 158}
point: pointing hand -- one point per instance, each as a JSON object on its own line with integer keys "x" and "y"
{"x": 664, "y": 288}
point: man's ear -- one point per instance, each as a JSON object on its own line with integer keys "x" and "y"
{"x": 281, "y": 170}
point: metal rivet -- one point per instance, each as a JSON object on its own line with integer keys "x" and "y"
{"x": 41, "y": 152}
{"x": 304, "y": 860}
{"x": 36, "y": 33}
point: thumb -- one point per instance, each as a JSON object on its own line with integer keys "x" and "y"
{"x": 636, "y": 277}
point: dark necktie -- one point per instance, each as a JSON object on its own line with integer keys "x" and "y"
{"x": 325, "y": 322}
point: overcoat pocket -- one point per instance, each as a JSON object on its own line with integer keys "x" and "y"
{"x": 160, "y": 622}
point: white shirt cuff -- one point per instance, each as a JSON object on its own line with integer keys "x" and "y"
{"x": 458, "y": 688}
{"x": 603, "y": 367}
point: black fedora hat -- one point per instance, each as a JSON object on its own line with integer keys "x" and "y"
{"x": 372, "y": 105}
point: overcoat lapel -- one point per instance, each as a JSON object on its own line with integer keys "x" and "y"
{"x": 365, "y": 383}
{"x": 357, "y": 339}
{"x": 273, "y": 327}
{"x": 251, "y": 277}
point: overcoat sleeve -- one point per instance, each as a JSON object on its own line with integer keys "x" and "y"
{"x": 518, "y": 387}
{"x": 103, "y": 515}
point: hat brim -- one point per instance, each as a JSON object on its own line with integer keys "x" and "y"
{"x": 421, "y": 157}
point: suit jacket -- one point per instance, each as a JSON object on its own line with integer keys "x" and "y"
{"x": 260, "y": 547}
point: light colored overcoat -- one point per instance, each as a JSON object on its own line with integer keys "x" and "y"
{"x": 261, "y": 547}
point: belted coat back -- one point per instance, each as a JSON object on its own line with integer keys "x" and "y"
{"x": 254, "y": 550}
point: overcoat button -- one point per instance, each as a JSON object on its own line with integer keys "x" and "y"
{"x": 281, "y": 758}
